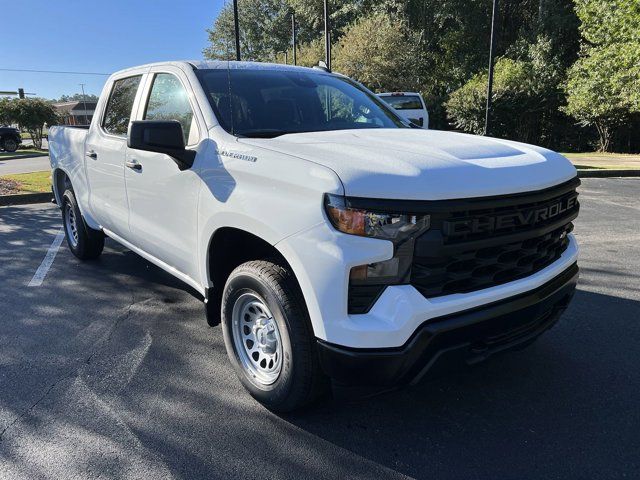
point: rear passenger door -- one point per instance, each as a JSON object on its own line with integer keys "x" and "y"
{"x": 105, "y": 150}
{"x": 162, "y": 198}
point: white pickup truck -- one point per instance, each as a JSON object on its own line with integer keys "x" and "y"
{"x": 332, "y": 238}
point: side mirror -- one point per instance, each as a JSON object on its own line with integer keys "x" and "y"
{"x": 161, "y": 136}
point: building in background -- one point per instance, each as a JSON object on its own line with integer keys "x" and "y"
{"x": 74, "y": 113}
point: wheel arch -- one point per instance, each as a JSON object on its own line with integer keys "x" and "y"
{"x": 61, "y": 180}
{"x": 229, "y": 247}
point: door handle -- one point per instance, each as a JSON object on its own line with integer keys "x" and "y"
{"x": 91, "y": 154}
{"x": 133, "y": 164}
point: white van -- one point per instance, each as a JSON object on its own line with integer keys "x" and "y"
{"x": 409, "y": 105}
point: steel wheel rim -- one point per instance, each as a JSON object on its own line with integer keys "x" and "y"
{"x": 256, "y": 338}
{"x": 71, "y": 224}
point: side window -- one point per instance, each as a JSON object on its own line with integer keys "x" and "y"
{"x": 118, "y": 111}
{"x": 168, "y": 100}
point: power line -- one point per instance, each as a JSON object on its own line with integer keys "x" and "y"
{"x": 51, "y": 71}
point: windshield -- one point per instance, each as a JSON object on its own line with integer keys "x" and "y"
{"x": 403, "y": 102}
{"x": 269, "y": 103}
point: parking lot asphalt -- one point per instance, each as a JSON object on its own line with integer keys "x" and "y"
{"x": 109, "y": 370}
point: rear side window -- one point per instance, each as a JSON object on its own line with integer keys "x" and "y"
{"x": 118, "y": 111}
{"x": 404, "y": 102}
{"x": 168, "y": 100}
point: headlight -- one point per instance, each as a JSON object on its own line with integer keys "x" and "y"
{"x": 387, "y": 226}
{"x": 367, "y": 282}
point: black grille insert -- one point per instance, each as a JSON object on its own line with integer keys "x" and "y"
{"x": 493, "y": 241}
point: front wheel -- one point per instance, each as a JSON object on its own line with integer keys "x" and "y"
{"x": 268, "y": 336}
{"x": 84, "y": 242}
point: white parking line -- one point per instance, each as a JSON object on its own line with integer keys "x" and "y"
{"x": 44, "y": 267}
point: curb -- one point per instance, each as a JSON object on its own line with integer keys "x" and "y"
{"x": 25, "y": 199}
{"x": 607, "y": 173}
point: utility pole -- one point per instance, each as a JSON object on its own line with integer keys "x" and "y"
{"x": 491, "y": 53}
{"x": 237, "y": 28}
{"x": 327, "y": 38}
{"x": 293, "y": 36}
{"x": 84, "y": 101}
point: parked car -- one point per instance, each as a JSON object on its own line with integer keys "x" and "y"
{"x": 409, "y": 105}
{"x": 10, "y": 139}
{"x": 331, "y": 237}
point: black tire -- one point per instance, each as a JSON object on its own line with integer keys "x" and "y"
{"x": 86, "y": 243}
{"x": 299, "y": 381}
{"x": 10, "y": 145}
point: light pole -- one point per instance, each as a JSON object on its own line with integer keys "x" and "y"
{"x": 84, "y": 101}
{"x": 293, "y": 36}
{"x": 236, "y": 26}
{"x": 327, "y": 38}
{"x": 491, "y": 53}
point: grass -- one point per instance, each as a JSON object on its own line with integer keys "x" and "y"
{"x": 24, "y": 152}
{"x": 604, "y": 161}
{"x": 36, "y": 182}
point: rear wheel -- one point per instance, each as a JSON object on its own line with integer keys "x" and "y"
{"x": 10, "y": 145}
{"x": 84, "y": 242}
{"x": 268, "y": 336}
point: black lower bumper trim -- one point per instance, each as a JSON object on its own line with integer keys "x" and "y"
{"x": 476, "y": 333}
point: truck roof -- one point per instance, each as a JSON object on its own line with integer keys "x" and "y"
{"x": 222, "y": 64}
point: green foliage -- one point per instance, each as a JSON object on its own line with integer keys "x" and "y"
{"x": 31, "y": 114}
{"x": 310, "y": 53}
{"x": 512, "y": 86}
{"x": 606, "y": 22}
{"x": 387, "y": 60}
{"x": 603, "y": 88}
{"x": 6, "y": 111}
{"x": 76, "y": 97}
{"x": 265, "y": 27}
{"x": 342, "y": 13}
{"x": 525, "y": 93}
{"x": 440, "y": 48}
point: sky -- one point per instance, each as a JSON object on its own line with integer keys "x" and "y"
{"x": 100, "y": 36}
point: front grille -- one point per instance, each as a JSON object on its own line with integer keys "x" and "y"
{"x": 480, "y": 243}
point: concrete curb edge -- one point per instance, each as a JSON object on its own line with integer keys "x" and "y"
{"x": 589, "y": 173}
{"x": 25, "y": 199}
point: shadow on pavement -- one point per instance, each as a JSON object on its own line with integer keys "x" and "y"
{"x": 110, "y": 370}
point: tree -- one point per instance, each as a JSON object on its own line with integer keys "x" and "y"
{"x": 31, "y": 114}
{"x": 310, "y": 53}
{"x": 265, "y": 31}
{"x": 386, "y": 60}
{"x": 525, "y": 94}
{"x": 603, "y": 88}
{"x": 512, "y": 90}
{"x": 76, "y": 97}
{"x": 6, "y": 111}
{"x": 342, "y": 13}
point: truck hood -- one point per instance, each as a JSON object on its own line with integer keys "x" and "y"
{"x": 418, "y": 164}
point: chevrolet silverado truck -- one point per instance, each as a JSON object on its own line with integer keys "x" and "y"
{"x": 334, "y": 241}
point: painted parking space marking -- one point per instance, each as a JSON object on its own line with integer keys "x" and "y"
{"x": 44, "y": 267}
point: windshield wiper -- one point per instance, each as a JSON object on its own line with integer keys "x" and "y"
{"x": 266, "y": 133}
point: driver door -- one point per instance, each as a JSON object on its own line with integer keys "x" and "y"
{"x": 162, "y": 198}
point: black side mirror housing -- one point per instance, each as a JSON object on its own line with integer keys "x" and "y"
{"x": 161, "y": 136}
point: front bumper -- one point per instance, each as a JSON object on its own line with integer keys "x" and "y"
{"x": 475, "y": 333}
